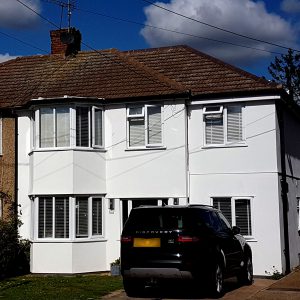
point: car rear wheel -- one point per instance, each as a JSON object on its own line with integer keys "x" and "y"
{"x": 133, "y": 288}
{"x": 217, "y": 281}
{"x": 246, "y": 274}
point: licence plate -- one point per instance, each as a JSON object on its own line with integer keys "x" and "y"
{"x": 140, "y": 242}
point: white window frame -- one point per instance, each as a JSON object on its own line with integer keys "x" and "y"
{"x": 72, "y": 220}
{"x": 222, "y": 110}
{"x": 36, "y": 128}
{"x": 1, "y": 208}
{"x": 233, "y": 212}
{"x": 298, "y": 211}
{"x": 144, "y": 116}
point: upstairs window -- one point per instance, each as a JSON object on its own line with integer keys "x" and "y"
{"x": 223, "y": 125}
{"x": 144, "y": 126}
{"x": 237, "y": 211}
{"x": 56, "y": 125}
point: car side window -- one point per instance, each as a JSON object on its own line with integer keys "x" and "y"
{"x": 224, "y": 223}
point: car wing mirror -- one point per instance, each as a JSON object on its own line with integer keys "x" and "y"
{"x": 236, "y": 230}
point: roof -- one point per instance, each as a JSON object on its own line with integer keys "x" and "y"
{"x": 115, "y": 75}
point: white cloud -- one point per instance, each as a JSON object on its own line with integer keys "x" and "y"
{"x": 15, "y": 15}
{"x": 242, "y": 16}
{"x": 290, "y": 6}
{"x": 5, "y": 57}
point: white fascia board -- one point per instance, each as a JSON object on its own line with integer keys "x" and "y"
{"x": 66, "y": 97}
{"x": 230, "y": 100}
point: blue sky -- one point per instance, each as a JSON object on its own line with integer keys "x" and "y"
{"x": 275, "y": 21}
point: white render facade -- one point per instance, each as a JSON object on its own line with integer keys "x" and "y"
{"x": 79, "y": 180}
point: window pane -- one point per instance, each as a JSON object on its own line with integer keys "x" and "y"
{"x": 45, "y": 217}
{"x": 154, "y": 125}
{"x": 46, "y": 128}
{"x": 82, "y": 126}
{"x": 224, "y": 205}
{"x": 243, "y": 215}
{"x": 135, "y": 110}
{"x": 81, "y": 217}
{"x": 97, "y": 216}
{"x": 61, "y": 217}
{"x": 98, "y": 127}
{"x": 234, "y": 124}
{"x": 214, "y": 129}
{"x": 62, "y": 127}
{"x": 136, "y": 132}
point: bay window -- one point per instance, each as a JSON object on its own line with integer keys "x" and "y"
{"x": 223, "y": 124}
{"x": 144, "y": 126}
{"x": 63, "y": 126}
{"x": 60, "y": 217}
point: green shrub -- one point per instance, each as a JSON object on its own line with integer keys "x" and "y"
{"x": 14, "y": 252}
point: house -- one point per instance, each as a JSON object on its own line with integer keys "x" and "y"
{"x": 98, "y": 133}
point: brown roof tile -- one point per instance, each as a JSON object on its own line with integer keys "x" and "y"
{"x": 113, "y": 75}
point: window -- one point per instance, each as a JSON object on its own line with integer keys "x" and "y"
{"x": 237, "y": 211}
{"x": 53, "y": 217}
{"x": 56, "y": 127}
{"x": 223, "y": 125}
{"x": 298, "y": 212}
{"x": 1, "y": 208}
{"x": 144, "y": 126}
{"x": 69, "y": 217}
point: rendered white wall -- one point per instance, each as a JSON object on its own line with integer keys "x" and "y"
{"x": 146, "y": 173}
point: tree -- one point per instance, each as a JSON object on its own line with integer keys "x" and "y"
{"x": 286, "y": 70}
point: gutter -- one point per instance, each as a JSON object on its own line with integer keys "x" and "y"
{"x": 284, "y": 187}
{"x": 16, "y": 204}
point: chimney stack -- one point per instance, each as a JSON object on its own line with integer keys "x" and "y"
{"x": 65, "y": 41}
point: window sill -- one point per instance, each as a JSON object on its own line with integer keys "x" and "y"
{"x": 69, "y": 241}
{"x": 236, "y": 145}
{"x": 68, "y": 149}
{"x": 146, "y": 148}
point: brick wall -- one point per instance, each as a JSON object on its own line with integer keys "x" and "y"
{"x": 7, "y": 161}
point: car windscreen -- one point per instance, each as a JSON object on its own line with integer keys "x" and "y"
{"x": 163, "y": 219}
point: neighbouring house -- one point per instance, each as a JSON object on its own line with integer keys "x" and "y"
{"x": 98, "y": 133}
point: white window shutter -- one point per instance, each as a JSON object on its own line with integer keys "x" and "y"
{"x": 97, "y": 124}
{"x": 243, "y": 216}
{"x": 136, "y": 132}
{"x": 154, "y": 125}
{"x": 82, "y": 217}
{"x": 46, "y": 127}
{"x": 45, "y": 217}
{"x": 61, "y": 217}
{"x": 234, "y": 124}
{"x": 62, "y": 127}
{"x": 214, "y": 129}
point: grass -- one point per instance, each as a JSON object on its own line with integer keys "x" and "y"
{"x": 58, "y": 287}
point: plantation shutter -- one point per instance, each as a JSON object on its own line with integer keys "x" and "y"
{"x": 98, "y": 127}
{"x": 46, "y": 128}
{"x": 81, "y": 217}
{"x": 97, "y": 216}
{"x": 214, "y": 129}
{"x": 224, "y": 205}
{"x": 243, "y": 215}
{"x": 82, "y": 126}
{"x": 62, "y": 127}
{"x": 61, "y": 217}
{"x": 45, "y": 217}
{"x": 136, "y": 132}
{"x": 234, "y": 124}
{"x": 154, "y": 125}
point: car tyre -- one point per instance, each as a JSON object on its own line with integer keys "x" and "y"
{"x": 246, "y": 274}
{"x": 133, "y": 288}
{"x": 217, "y": 281}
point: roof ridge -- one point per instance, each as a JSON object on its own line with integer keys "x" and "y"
{"x": 159, "y": 77}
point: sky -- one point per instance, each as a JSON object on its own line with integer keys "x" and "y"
{"x": 133, "y": 24}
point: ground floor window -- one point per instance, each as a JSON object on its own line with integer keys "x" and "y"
{"x": 62, "y": 217}
{"x": 237, "y": 211}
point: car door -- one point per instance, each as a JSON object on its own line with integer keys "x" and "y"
{"x": 228, "y": 242}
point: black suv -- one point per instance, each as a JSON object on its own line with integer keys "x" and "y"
{"x": 193, "y": 242}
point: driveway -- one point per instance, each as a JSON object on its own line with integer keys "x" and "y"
{"x": 233, "y": 292}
